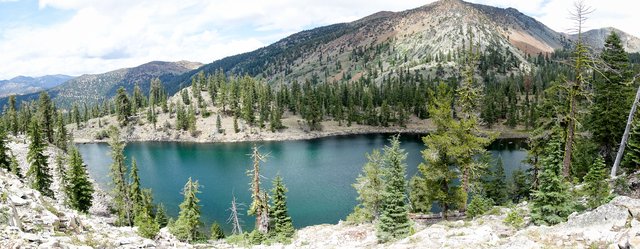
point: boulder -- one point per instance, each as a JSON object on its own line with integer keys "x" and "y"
{"x": 18, "y": 201}
{"x": 633, "y": 205}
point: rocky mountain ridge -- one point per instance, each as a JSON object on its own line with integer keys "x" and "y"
{"x": 95, "y": 88}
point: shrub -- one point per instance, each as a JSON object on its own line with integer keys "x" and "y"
{"x": 216, "y": 232}
{"x": 478, "y": 206}
{"x": 102, "y": 134}
{"x": 514, "y": 218}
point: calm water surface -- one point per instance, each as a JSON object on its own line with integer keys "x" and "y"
{"x": 318, "y": 172}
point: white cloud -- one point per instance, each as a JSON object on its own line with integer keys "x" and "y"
{"x": 106, "y": 35}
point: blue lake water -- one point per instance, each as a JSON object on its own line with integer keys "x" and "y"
{"x": 317, "y": 172}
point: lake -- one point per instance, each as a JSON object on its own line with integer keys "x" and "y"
{"x": 317, "y": 172}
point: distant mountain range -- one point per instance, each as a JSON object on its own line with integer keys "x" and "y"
{"x": 416, "y": 40}
{"x": 596, "y": 38}
{"x": 95, "y": 88}
{"x": 25, "y": 85}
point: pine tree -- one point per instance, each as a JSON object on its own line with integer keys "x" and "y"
{"x": 75, "y": 114}
{"x": 282, "y": 224}
{"x": 147, "y": 226}
{"x": 80, "y": 189}
{"x": 63, "y": 175}
{"x": 186, "y": 228}
{"x": 39, "y": 169}
{"x": 151, "y": 112}
{"x": 496, "y": 186}
{"x": 418, "y": 195}
{"x": 551, "y": 202}
{"x": 45, "y": 111}
{"x": 216, "y": 232}
{"x": 14, "y": 167}
{"x": 161, "y": 215}
{"x": 521, "y": 187}
{"x": 5, "y": 159}
{"x": 235, "y": 125}
{"x": 135, "y": 191}
{"x": 394, "y": 218}
{"x": 611, "y": 98}
{"x": 13, "y": 125}
{"x": 218, "y": 124}
{"x": 439, "y": 171}
{"x": 369, "y": 186}
{"x": 596, "y": 185}
{"x": 632, "y": 153}
{"x": 61, "y": 133}
{"x": 121, "y": 197}
{"x": 191, "y": 121}
{"x": 123, "y": 106}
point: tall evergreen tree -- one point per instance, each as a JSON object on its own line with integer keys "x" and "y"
{"x": 123, "y": 106}
{"x": 631, "y": 159}
{"x": 46, "y": 115}
{"x": 551, "y": 202}
{"x": 39, "y": 169}
{"x": 75, "y": 115}
{"x": 12, "y": 116}
{"x": 282, "y": 224}
{"x": 218, "y": 124}
{"x": 394, "y": 218}
{"x": 61, "y": 133}
{"x": 439, "y": 171}
{"x": 496, "y": 185}
{"x": 5, "y": 159}
{"x": 80, "y": 189}
{"x": 135, "y": 191}
{"x": 611, "y": 98}
{"x": 14, "y": 167}
{"x": 121, "y": 197}
{"x": 521, "y": 187}
{"x": 186, "y": 227}
{"x": 161, "y": 215}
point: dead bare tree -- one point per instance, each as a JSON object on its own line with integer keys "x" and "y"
{"x": 576, "y": 87}
{"x": 234, "y": 217}
{"x": 625, "y": 136}
{"x": 259, "y": 206}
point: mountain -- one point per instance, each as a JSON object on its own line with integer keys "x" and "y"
{"x": 596, "y": 38}
{"x": 374, "y": 46}
{"x": 94, "y": 88}
{"x": 24, "y": 85}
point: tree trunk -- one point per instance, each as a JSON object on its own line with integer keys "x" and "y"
{"x": 568, "y": 147}
{"x": 465, "y": 186}
{"x": 625, "y": 136}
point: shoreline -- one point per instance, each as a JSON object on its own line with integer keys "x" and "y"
{"x": 287, "y": 136}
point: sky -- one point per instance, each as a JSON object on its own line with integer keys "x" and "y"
{"x": 75, "y": 37}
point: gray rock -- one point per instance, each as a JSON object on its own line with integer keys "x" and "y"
{"x": 31, "y": 237}
{"x": 50, "y": 244}
{"x": 633, "y": 205}
{"x": 18, "y": 201}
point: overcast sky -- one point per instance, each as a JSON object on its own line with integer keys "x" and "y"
{"x": 77, "y": 37}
